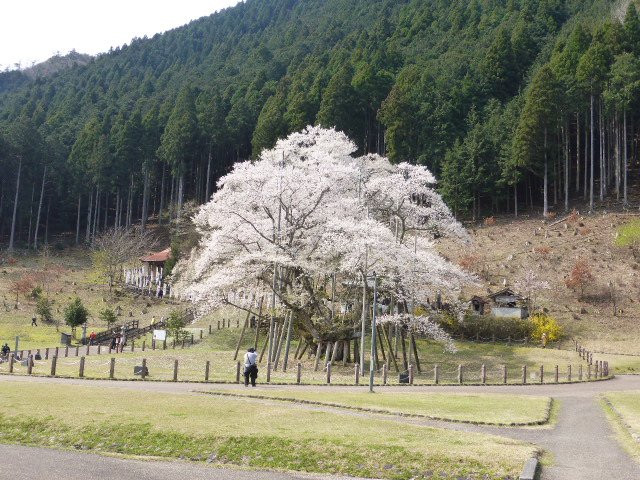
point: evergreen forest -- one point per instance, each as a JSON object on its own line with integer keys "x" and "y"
{"x": 513, "y": 104}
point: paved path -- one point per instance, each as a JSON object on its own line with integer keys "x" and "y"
{"x": 582, "y": 442}
{"x": 19, "y": 462}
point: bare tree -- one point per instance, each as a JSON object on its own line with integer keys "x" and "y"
{"x": 118, "y": 246}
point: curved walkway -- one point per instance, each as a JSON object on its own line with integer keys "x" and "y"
{"x": 582, "y": 442}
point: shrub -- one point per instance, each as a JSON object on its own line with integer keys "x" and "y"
{"x": 487, "y": 327}
{"x": 108, "y": 316}
{"x": 75, "y": 314}
{"x": 579, "y": 277}
{"x": 629, "y": 236}
{"x": 176, "y": 323}
{"x": 543, "y": 323}
{"x": 43, "y": 308}
{"x": 36, "y": 293}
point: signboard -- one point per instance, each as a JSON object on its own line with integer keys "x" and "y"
{"x": 160, "y": 335}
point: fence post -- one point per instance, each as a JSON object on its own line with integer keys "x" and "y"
{"x": 596, "y": 369}
{"x": 29, "y": 364}
{"x": 328, "y": 373}
{"x": 200, "y": 334}
{"x": 81, "y": 371}
{"x": 357, "y": 373}
{"x": 56, "y": 354}
{"x": 99, "y": 348}
{"x": 524, "y": 374}
{"x": 436, "y": 374}
{"x": 88, "y": 351}
{"x": 143, "y": 375}
{"x": 46, "y": 353}
{"x": 54, "y": 361}
{"x": 557, "y": 379}
{"x": 569, "y": 373}
{"x": 385, "y": 373}
{"x": 144, "y": 344}
{"x": 77, "y": 350}
{"x": 11, "y": 360}
{"x": 209, "y": 329}
{"x": 182, "y": 342}
{"x": 164, "y": 344}
{"x": 174, "y": 344}
{"x": 192, "y": 339}
{"x": 460, "y": 374}
{"x": 206, "y": 371}
{"x": 112, "y": 368}
{"x": 483, "y": 373}
{"x": 132, "y": 346}
{"x": 410, "y": 374}
{"x": 175, "y": 371}
{"x": 504, "y": 374}
{"x": 66, "y": 350}
{"x": 268, "y": 372}
{"x": 580, "y": 372}
{"x": 299, "y": 373}
{"x": 218, "y": 324}
{"x": 588, "y": 372}
{"x": 237, "y": 371}
{"x": 541, "y": 373}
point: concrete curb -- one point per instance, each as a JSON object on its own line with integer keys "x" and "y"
{"x": 543, "y": 421}
{"x": 530, "y": 469}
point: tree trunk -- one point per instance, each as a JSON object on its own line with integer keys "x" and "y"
{"x": 145, "y": 201}
{"x": 363, "y": 321}
{"x": 624, "y": 156}
{"x": 566, "y": 167}
{"x": 95, "y": 214}
{"x": 180, "y": 195}
{"x": 33, "y": 191}
{"x": 603, "y": 174}
{"x": 207, "y": 191}
{"x": 106, "y": 209}
{"x": 89, "y": 210}
{"x": 15, "y": 206}
{"x": 578, "y": 153}
{"x": 35, "y": 235}
{"x": 515, "y": 199}
{"x": 46, "y": 224}
{"x": 617, "y": 155}
{"x": 162, "y": 197}
{"x": 545, "y": 209}
{"x": 78, "y": 221}
{"x": 592, "y": 158}
{"x": 116, "y": 220}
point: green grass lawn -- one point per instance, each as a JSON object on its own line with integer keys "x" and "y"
{"x": 238, "y": 431}
{"x": 482, "y": 408}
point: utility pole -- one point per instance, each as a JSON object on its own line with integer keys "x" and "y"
{"x": 372, "y": 361}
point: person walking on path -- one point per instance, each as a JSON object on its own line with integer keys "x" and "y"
{"x": 250, "y": 367}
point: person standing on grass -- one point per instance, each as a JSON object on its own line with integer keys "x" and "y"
{"x": 250, "y": 367}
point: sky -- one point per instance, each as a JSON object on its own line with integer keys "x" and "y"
{"x": 34, "y": 30}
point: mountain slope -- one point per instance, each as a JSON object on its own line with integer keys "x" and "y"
{"x": 411, "y": 78}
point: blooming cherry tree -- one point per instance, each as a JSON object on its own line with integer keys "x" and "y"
{"x": 307, "y": 223}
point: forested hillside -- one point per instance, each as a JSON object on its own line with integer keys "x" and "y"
{"x": 512, "y": 104}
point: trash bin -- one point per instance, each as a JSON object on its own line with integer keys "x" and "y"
{"x": 65, "y": 338}
{"x": 403, "y": 377}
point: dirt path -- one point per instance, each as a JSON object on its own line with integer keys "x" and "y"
{"x": 582, "y": 442}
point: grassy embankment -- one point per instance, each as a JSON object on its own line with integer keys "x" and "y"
{"x": 623, "y": 411}
{"x": 241, "y": 432}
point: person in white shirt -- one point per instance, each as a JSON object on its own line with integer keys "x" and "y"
{"x": 250, "y": 367}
